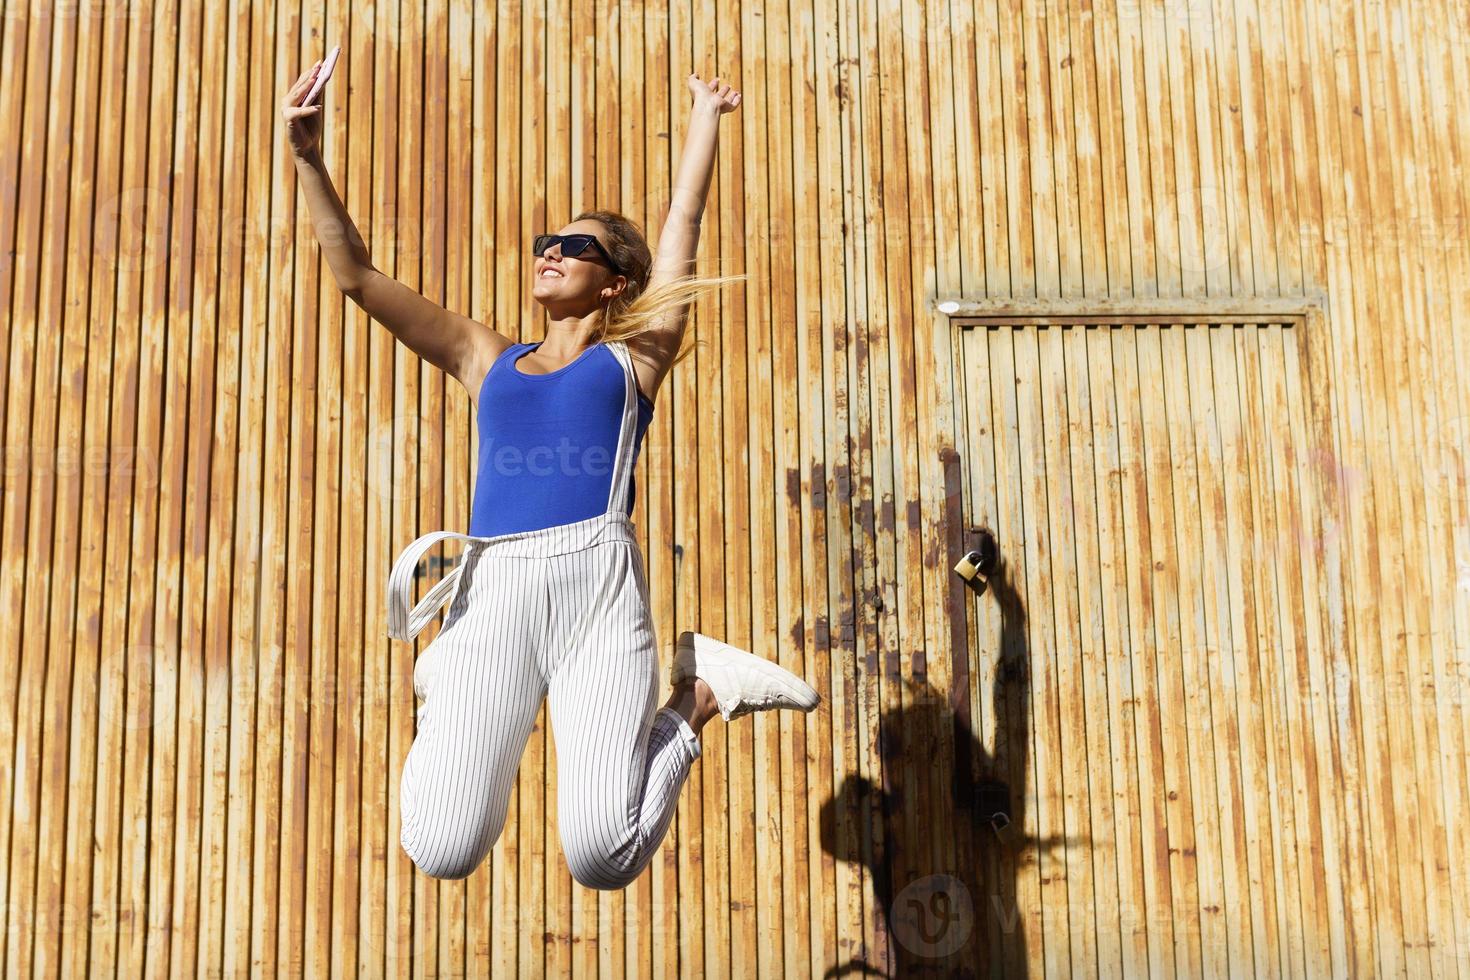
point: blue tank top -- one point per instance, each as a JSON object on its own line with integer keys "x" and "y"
{"x": 549, "y": 443}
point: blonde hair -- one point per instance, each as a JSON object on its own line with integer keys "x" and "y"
{"x": 637, "y": 309}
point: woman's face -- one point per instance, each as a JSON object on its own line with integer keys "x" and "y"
{"x": 575, "y": 283}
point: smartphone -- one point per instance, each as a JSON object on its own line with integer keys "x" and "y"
{"x": 323, "y": 75}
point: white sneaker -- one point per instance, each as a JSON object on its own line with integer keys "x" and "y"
{"x": 741, "y": 681}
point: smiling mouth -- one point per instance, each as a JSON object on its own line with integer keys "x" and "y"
{"x": 550, "y": 273}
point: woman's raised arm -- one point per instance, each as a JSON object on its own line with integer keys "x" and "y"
{"x": 463, "y": 347}
{"x": 674, "y": 256}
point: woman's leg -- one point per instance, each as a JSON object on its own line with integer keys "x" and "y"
{"x": 482, "y": 686}
{"x": 693, "y": 701}
{"x": 621, "y": 761}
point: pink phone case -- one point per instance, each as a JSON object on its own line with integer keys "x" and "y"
{"x": 323, "y": 75}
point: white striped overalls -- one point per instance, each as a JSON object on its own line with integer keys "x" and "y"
{"x": 559, "y": 613}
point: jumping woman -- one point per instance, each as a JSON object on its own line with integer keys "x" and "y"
{"x": 550, "y": 598}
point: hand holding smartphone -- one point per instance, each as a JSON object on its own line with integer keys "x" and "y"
{"x": 323, "y": 75}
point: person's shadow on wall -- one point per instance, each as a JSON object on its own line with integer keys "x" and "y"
{"x": 944, "y": 919}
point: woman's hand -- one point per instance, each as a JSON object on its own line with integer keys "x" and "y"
{"x": 304, "y": 122}
{"x": 713, "y": 95}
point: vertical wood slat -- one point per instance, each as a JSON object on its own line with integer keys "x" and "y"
{"x": 812, "y": 224}
{"x": 382, "y": 928}
{"x": 741, "y": 938}
{"x": 1254, "y": 783}
{"x": 194, "y": 285}
{"x": 1058, "y": 617}
{"x": 841, "y": 817}
{"x": 1174, "y": 722}
{"x": 1220, "y": 648}
{"x": 1254, "y": 352}
{"x": 785, "y": 491}
{"x": 933, "y": 596}
{"x": 1159, "y": 903}
{"x": 925, "y": 586}
{"x": 1089, "y": 676}
{"x": 860, "y": 215}
{"x": 977, "y": 733}
{"x": 1139, "y": 892}
{"x": 115, "y": 310}
{"x": 240, "y": 919}
{"x": 23, "y": 179}
{"x": 1021, "y": 950}
{"x": 1298, "y": 701}
{"x": 1446, "y": 451}
{"x": 689, "y": 601}
{"x": 1049, "y": 943}
{"x": 78, "y": 424}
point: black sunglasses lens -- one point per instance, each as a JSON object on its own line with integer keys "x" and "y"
{"x": 571, "y": 245}
{"x": 574, "y": 245}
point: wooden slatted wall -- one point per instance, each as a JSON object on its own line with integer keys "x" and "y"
{"x": 211, "y": 459}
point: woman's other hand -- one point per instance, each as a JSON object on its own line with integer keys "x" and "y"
{"x": 714, "y": 95}
{"x": 304, "y": 122}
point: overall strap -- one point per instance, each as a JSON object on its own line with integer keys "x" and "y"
{"x": 403, "y": 623}
{"x": 619, "y": 494}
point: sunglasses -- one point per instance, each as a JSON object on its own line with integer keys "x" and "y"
{"x": 573, "y": 246}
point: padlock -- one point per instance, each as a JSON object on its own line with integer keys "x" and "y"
{"x": 975, "y": 568}
{"x": 993, "y": 805}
